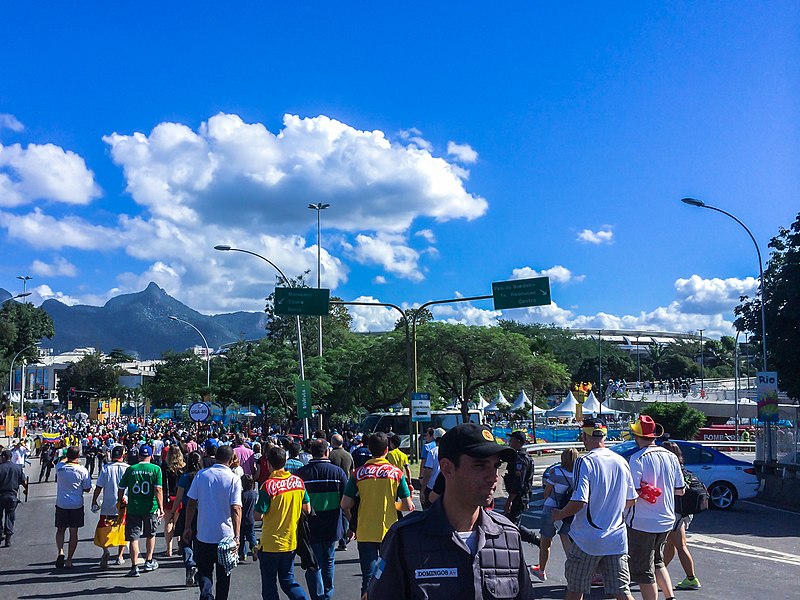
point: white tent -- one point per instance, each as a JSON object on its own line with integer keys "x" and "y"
{"x": 497, "y": 399}
{"x": 519, "y": 403}
{"x": 566, "y": 408}
{"x": 591, "y": 404}
{"x": 481, "y": 404}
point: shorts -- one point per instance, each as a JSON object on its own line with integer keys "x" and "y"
{"x": 681, "y": 520}
{"x": 138, "y": 526}
{"x": 580, "y": 568}
{"x": 646, "y": 551}
{"x": 548, "y": 529}
{"x": 69, "y": 518}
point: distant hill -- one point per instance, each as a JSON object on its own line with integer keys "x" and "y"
{"x": 139, "y": 324}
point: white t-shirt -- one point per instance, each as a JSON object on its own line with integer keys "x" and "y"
{"x": 72, "y": 480}
{"x": 108, "y": 479}
{"x": 216, "y": 489}
{"x": 158, "y": 447}
{"x": 603, "y": 481}
{"x": 19, "y": 455}
{"x": 660, "y": 468}
{"x": 561, "y": 480}
{"x": 432, "y": 462}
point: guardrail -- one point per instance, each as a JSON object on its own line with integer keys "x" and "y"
{"x": 558, "y": 446}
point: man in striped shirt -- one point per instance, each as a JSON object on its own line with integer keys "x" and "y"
{"x": 325, "y": 484}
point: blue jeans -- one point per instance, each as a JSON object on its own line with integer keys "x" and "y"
{"x": 188, "y": 555}
{"x": 206, "y": 557}
{"x": 320, "y": 583}
{"x": 279, "y": 565}
{"x": 368, "y": 553}
{"x": 248, "y": 536}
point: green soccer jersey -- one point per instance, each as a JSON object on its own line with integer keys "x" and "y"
{"x": 141, "y": 481}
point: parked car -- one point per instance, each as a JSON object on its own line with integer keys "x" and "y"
{"x": 726, "y": 478}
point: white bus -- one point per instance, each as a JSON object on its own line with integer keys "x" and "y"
{"x": 398, "y": 422}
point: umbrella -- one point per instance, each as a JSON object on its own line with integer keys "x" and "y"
{"x": 81, "y": 415}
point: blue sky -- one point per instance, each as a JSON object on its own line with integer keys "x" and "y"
{"x": 458, "y": 144}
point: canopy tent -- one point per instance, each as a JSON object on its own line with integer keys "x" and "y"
{"x": 519, "y": 403}
{"x": 567, "y": 408}
{"x": 592, "y": 406}
{"x": 493, "y": 404}
{"x": 481, "y": 403}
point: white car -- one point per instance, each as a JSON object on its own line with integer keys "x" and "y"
{"x": 726, "y": 478}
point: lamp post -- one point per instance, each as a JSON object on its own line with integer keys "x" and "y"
{"x": 24, "y": 295}
{"x": 25, "y": 279}
{"x": 736, "y": 381}
{"x": 638, "y": 366}
{"x": 701, "y": 204}
{"x": 22, "y": 379}
{"x": 702, "y": 364}
{"x": 208, "y": 350}
{"x": 600, "y": 369}
{"x": 226, "y": 248}
{"x": 319, "y": 207}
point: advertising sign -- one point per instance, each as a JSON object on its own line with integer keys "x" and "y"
{"x": 767, "y": 388}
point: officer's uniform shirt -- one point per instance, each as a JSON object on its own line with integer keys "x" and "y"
{"x": 423, "y": 557}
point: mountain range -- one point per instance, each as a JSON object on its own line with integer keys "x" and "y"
{"x": 139, "y": 323}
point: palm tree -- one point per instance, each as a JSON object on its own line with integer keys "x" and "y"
{"x": 656, "y": 354}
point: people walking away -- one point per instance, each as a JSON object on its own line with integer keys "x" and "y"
{"x": 215, "y": 496}
{"x": 382, "y": 490}
{"x": 145, "y": 508}
{"x": 676, "y": 540}
{"x": 108, "y": 485}
{"x": 344, "y": 460}
{"x": 12, "y": 476}
{"x": 172, "y": 470}
{"x": 518, "y": 481}
{"x": 399, "y": 458}
{"x": 457, "y": 549}
{"x": 558, "y": 486}
{"x": 430, "y": 468}
{"x": 658, "y": 480}
{"x": 293, "y": 462}
{"x": 193, "y": 465}
{"x": 603, "y": 489}
{"x": 247, "y": 534}
{"x": 281, "y": 500}
{"x": 361, "y": 453}
{"x": 90, "y": 453}
{"x": 325, "y": 483}
{"x": 72, "y": 482}
{"x": 47, "y": 460}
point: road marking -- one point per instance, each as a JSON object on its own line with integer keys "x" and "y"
{"x": 783, "y": 510}
{"x": 708, "y": 542}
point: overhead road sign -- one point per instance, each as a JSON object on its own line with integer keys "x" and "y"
{"x": 308, "y": 302}
{"x": 520, "y": 293}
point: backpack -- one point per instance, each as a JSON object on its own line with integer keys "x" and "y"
{"x": 695, "y": 497}
{"x": 527, "y": 479}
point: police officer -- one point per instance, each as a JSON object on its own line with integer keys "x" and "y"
{"x": 519, "y": 484}
{"x": 457, "y": 549}
{"x": 11, "y": 477}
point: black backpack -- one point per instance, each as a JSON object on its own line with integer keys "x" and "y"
{"x": 695, "y": 497}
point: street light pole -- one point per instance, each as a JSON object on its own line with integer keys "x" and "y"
{"x": 701, "y": 204}
{"x": 25, "y": 295}
{"x": 600, "y": 369}
{"x": 25, "y": 279}
{"x": 702, "y": 365}
{"x": 638, "y": 365}
{"x": 208, "y": 350}
{"x": 226, "y": 248}
{"x": 319, "y": 207}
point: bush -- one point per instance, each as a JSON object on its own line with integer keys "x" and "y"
{"x": 679, "y": 420}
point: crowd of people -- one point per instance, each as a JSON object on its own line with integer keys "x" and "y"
{"x": 211, "y": 491}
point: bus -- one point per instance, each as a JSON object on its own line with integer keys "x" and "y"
{"x": 398, "y": 422}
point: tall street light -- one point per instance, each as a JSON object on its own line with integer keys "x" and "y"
{"x": 702, "y": 365}
{"x": 701, "y": 204}
{"x": 25, "y": 279}
{"x": 226, "y": 248}
{"x": 208, "y": 350}
{"x": 319, "y": 207}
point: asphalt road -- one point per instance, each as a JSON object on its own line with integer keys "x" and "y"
{"x": 749, "y": 552}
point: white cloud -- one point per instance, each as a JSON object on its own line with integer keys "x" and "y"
{"x": 379, "y": 279}
{"x": 462, "y": 152}
{"x": 46, "y": 172}
{"x": 414, "y": 137}
{"x": 43, "y": 292}
{"x": 11, "y": 122}
{"x": 60, "y": 267}
{"x": 372, "y": 318}
{"x": 709, "y": 296}
{"x": 427, "y": 235}
{"x": 557, "y": 274}
{"x": 604, "y": 236}
{"x": 43, "y": 231}
{"x": 466, "y": 314}
{"x": 390, "y": 252}
{"x": 232, "y": 172}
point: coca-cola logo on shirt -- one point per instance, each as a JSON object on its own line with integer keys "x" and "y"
{"x": 385, "y": 471}
{"x": 275, "y": 487}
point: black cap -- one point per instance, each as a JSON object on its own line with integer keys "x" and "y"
{"x": 473, "y": 440}
{"x": 519, "y": 435}
{"x": 117, "y": 452}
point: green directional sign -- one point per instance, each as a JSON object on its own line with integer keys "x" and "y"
{"x": 302, "y": 393}
{"x": 520, "y": 293}
{"x": 309, "y": 302}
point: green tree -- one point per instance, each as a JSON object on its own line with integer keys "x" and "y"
{"x": 679, "y": 420}
{"x": 22, "y": 326}
{"x": 781, "y": 294}
{"x": 180, "y": 379}
{"x": 90, "y": 377}
{"x": 118, "y": 355}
